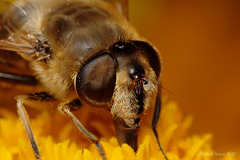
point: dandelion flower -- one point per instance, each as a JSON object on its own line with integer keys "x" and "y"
{"x": 59, "y": 140}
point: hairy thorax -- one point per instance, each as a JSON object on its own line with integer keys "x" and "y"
{"x": 75, "y": 31}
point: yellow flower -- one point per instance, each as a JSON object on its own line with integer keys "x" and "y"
{"x": 59, "y": 140}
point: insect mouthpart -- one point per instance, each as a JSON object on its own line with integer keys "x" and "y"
{"x": 127, "y": 134}
{"x": 138, "y": 82}
{"x": 137, "y": 74}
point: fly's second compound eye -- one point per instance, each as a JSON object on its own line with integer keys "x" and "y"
{"x": 150, "y": 54}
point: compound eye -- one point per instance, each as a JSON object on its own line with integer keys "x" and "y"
{"x": 151, "y": 55}
{"x": 96, "y": 79}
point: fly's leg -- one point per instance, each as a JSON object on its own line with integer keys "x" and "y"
{"x": 74, "y": 105}
{"x": 155, "y": 121}
{"x": 24, "y": 118}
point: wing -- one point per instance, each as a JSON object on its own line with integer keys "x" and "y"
{"x": 16, "y": 77}
{"x": 13, "y": 63}
{"x": 13, "y": 40}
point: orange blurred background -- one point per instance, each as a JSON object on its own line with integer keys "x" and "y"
{"x": 200, "y": 45}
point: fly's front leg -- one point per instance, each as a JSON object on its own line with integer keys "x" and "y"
{"x": 155, "y": 121}
{"x": 24, "y": 118}
{"x": 75, "y": 105}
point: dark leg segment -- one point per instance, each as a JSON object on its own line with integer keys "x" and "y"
{"x": 18, "y": 78}
{"x": 155, "y": 121}
{"x": 26, "y": 123}
{"x": 66, "y": 109}
{"x": 24, "y": 118}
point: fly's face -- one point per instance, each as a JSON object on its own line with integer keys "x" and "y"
{"x": 136, "y": 80}
{"x": 122, "y": 78}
